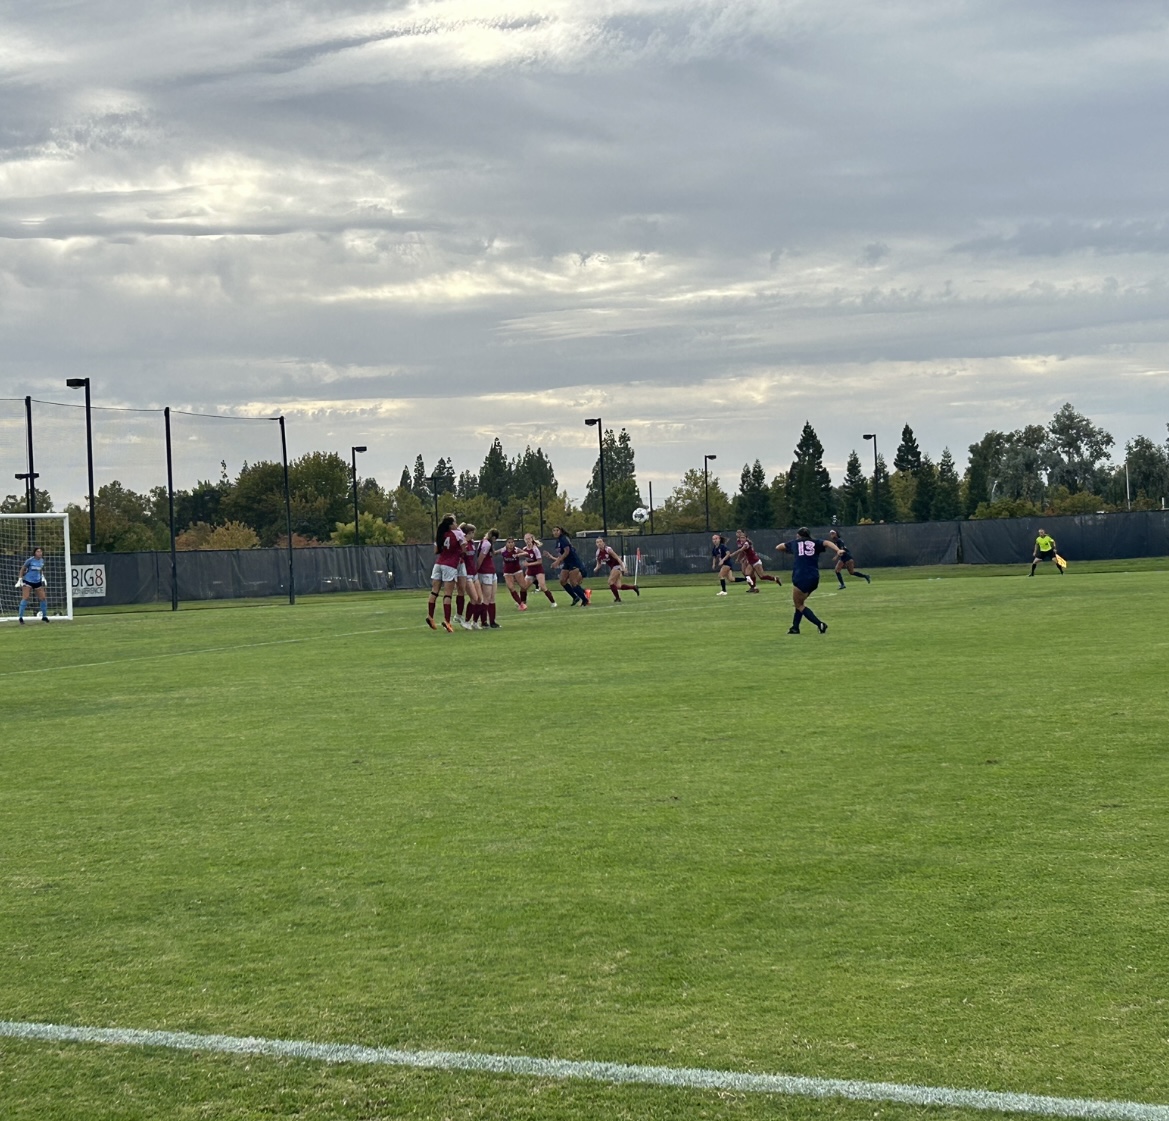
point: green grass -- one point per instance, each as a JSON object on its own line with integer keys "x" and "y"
{"x": 928, "y": 847}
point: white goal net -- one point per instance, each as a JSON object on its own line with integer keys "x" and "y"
{"x": 21, "y": 536}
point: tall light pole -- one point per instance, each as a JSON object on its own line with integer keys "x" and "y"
{"x": 83, "y": 383}
{"x": 434, "y": 481}
{"x": 706, "y": 485}
{"x": 356, "y": 530}
{"x": 601, "y": 449}
{"x": 876, "y": 479}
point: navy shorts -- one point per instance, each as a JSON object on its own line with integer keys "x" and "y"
{"x": 807, "y": 585}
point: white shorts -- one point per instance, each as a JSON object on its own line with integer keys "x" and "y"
{"x": 462, "y": 569}
{"x": 444, "y": 572}
{"x": 487, "y": 578}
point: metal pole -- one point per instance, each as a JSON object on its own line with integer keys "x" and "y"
{"x": 89, "y": 459}
{"x": 170, "y": 494}
{"x": 1127, "y": 494}
{"x": 541, "y": 510}
{"x": 30, "y": 503}
{"x": 876, "y": 479}
{"x": 604, "y": 506}
{"x": 287, "y": 512}
{"x": 706, "y": 480}
{"x": 651, "y": 508}
{"x": 356, "y": 527}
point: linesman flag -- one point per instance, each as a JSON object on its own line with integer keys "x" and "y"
{"x": 1060, "y": 561}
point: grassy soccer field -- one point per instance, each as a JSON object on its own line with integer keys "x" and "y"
{"x": 929, "y": 847}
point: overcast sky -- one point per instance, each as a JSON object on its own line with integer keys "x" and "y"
{"x": 418, "y": 226}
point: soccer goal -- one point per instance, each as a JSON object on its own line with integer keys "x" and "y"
{"x": 20, "y": 536}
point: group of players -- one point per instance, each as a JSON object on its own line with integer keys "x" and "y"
{"x": 464, "y": 572}
{"x": 465, "y": 580}
{"x": 805, "y": 552}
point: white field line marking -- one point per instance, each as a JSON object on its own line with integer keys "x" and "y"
{"x": 614, "y": 1073}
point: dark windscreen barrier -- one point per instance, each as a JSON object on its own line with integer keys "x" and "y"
{"x": 1083, "y": 537}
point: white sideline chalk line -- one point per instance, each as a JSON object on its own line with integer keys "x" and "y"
{"x": 614, "y": 1073}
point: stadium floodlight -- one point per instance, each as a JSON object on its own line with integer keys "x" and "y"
{"x": 601, "y": 449}
{"x": 83, "y": 383}
{"x": 20, "y": 534}
{"x": 876, "y": 478}
{"x": 356, "y": 532}
{"x": 706, "y": 485}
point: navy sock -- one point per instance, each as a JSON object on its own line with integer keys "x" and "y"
{"x": 810, "y": 617}
{"x": 724, "y": 584}
{"x": 796, "y": 620}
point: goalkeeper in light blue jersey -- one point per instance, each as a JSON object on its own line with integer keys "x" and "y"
{"x": 32, "y": 578}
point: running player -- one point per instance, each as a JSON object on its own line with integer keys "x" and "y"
{"x": 488, "y": 578}
{"x": 750, "y": 562}
{"x": 32, "y": 579}
{"x": 805, "y": 574}
{"x": 1044, "y": 551}
{"x": 845, "y": 561}
{"x": 571, "y": 570}
{"x": 448, "y": 552}
{"x": 534, "y": 567}
{"x": 605, "y": 555}
{"x": 513, "y": 574}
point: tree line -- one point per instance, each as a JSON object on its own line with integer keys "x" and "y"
{"x": 1063, "y": 467}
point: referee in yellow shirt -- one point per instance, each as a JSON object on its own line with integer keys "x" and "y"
{"x": 1044, "y": 551}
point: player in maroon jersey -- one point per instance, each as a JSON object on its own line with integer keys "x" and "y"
{"x": 469, "y": 619}
{"x": 606, "y": 556}
{"x": 534, "y": 567}
{"x": 750, "y": 562}
{"x": 513, "y": 573}
{"x": 448, "y": 552}
{"x": 488, "y": 578}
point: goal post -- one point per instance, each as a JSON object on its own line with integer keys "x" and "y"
{"x": 20, "y": 536}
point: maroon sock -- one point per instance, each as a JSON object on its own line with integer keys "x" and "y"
{"x": 551, "y": 597}
{"x": 515, "y": 595}
{"x": 430, "y": 607}
{"x": 446, "y": 608}
{"x": 616, "y": 593}
{"x": 490, "y": 613}
{"x": 460, "y": 603}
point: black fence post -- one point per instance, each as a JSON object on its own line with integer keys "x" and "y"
{"x": 170, "y": 496}
{"x": 287, "y": 512}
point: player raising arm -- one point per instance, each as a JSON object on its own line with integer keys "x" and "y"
{"x": 805, "y": 574}
{"x": 845, "y": 561}
{"x": 571, "y": 570}
{"x": 448, "y": 552}
{"x": 750, "y": 562}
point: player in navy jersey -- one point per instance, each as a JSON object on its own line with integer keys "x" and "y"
{"x": 606, "y": 556}
{"x": 845, "y": 561}
{"x": 571, "y": 570}
{"x": 32, "y": 579}
{"x": 805, "y": 574}
{"x": 718, "y": 561}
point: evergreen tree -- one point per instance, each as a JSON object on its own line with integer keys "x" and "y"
{"x": 854, "y": 492}
{"x": 533, "y": 471}
{"x": 884, "y": 500}
{"x": 444, "y": 476}
{"x": 404, "y": 481}
{"x": 495, "y": 476}
{"x": 468, "y": 485}
{"x": 908, "y": 457}
{"x": 809, "y": 486}
{"x": 925, "y": 491}
{"x": 622, "y": 495}
{"x": 947, "y": 503}
{"x": 420, "y": 484}
{"x": 753, "y": 502}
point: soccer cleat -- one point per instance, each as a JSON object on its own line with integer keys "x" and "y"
{"x": 636, "y": 591}
{"x": 447, "y": 627}
{"x": 431, "y": 623}
{"x": 464, "y": 624}
{"x": 21, "y": 620}
{"x": 619, "y": 603}
{"x": 823, "y": 628}
{"x": 793, "y": 630}
{"x": 720, "y": 593}
{"x": 555, "y": 604}
{"x": 588, "y": 594}
{"x": 523, "y": 607}
{"x": 843, "y": 587}
{"x": 868, "y": 579}
{"x": 493, "y": 626}
{"x": 44, "y": 618}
